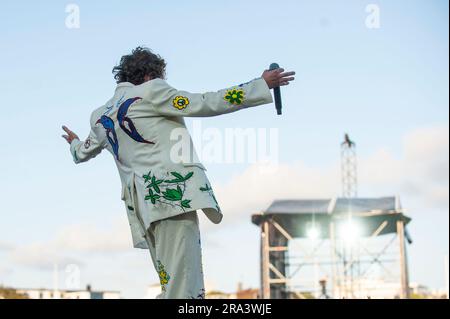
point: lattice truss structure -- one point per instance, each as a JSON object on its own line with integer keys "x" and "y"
{"x": 349, "y": 168}
{"x": 308, "y": 249}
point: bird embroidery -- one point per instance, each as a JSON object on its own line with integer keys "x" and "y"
{"x": 130, "y": 128}
{"x": 108, "y": 125}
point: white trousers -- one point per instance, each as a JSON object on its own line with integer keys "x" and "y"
{"x": 175, "y": 249}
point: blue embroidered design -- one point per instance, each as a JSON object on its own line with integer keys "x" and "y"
{"x": 242, "y": 84}
{"x": 109, "y": 108}
{"x": 123, "y": 119}
{"x": 108, "y": 125}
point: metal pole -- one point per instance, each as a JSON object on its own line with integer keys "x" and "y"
{"x": 446, "y": 276}
{"x": 265, "y": 271}
{"x": 404, "y": 292}
{"x": 334, "y": 279}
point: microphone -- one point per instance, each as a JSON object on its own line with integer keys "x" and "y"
{"x": 276, "y": 91}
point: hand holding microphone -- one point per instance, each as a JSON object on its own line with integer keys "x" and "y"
{"x": 276, "y": 77}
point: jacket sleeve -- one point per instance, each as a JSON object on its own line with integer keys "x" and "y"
{"x": 168, "y": 101}
{"x": 83, "y": 151}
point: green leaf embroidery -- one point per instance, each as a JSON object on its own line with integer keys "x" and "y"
{"x": 155, "y": 184}
{"x": 207, "y": 188}
{"x": 177, "y": 175}
{"x": 168, "y": 193}
{"x": 152, "y": 197}
{"x": 147, "y": 177}
{"x": 174, "y": 181}
{"x": 185, "y": 203}
{"x": 180, "y": 178}
{"x": 155, "y": 197}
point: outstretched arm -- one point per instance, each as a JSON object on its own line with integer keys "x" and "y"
{"x": 82, "y": 151}
{"x": 168, "y": 101}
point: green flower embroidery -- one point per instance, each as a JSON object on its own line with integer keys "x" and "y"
{"x": 234, "y": 96}
{"x": 173, "y": 194}
{"x": 168, "y": 192}
{"x": 163, "y": 276}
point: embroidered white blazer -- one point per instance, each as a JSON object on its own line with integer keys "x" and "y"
{"x": 137, "y": 126}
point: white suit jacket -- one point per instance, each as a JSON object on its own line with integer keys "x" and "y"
{"x": 135, "y": 126}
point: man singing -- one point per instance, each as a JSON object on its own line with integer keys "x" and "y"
{"x": 163, "y": 189}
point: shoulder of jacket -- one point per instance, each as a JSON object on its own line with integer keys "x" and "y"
{"x": 96, "y": 114}
{"x": 155, "y": 84}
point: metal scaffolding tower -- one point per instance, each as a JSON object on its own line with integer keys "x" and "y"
{"x": 348, "y": 255}
{"x": 349, "y": 169}
{"x": 290, "y": 258}
{"x": 355, "y": 231}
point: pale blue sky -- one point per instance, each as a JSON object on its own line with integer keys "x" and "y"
{"x": 379, "y": 85}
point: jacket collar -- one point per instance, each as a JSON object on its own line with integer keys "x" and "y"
{"x": 124, "y": 84}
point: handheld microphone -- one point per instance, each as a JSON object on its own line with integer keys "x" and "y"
{"x": 276, "y": 91}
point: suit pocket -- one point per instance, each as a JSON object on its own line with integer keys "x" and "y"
{"x": 128, "y": 195}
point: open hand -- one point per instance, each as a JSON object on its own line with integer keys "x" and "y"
{"x": 70, "y": 136}
{"x": 277, "y": 77}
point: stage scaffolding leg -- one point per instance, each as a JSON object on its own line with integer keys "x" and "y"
{"x": 404, "y": 291}
{"x": 334, "y": 279}
{"x": 265, "y": 271}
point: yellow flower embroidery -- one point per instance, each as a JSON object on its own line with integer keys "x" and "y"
{"x": 163, "y": 276}
{"x": 234, "y": 96}
{"x": 180, "y": 102}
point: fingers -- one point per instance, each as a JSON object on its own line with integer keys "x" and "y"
{"x": 66, "y": 129}
{"x": 278, "y": 77}
{"x": 286, "y": 74}
{"x": 280, "y": 72}
{"x": 284, "y": 77}
{"x": 287, "y": 79}
{"x": 70, "y": 136}
{"x": 275, "y": 72}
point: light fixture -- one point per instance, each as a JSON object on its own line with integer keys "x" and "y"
{"x": 350, "y": 232}
{"x": 313, "y": 233}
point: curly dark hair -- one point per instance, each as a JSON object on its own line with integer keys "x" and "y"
{"x": 135, "y": 66}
